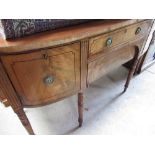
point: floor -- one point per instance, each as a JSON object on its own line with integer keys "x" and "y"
{"x": 106, "y": 110}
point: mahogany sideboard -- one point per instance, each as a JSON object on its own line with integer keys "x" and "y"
{"x": 44, "y": 68}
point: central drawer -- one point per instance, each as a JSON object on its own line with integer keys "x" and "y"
{"x": 45, "y": 75}
{"x": 109, "y": 61}
{"x": 109, "y": 40}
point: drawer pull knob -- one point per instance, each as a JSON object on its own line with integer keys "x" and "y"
{"x": 109, "y": 41}
{"x": 138, "y": 30}
{"x": 48, "y": 80}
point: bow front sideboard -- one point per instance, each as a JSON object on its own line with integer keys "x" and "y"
{"x": 47, "y": 67}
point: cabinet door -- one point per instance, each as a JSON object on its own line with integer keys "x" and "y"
{"x": 46, "y": 75}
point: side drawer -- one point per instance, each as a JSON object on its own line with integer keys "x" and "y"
{"x": 118, "y": 37}
{"x": 45, "y": 75}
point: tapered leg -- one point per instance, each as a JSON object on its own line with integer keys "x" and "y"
{"x": 24, "y": 120}
{"x": 131, "y": 71}
{"x": 13, "y": 99}
{"x": 80, "y": 108}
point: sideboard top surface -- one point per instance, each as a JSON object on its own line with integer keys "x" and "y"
{"x": 62, "y": 36}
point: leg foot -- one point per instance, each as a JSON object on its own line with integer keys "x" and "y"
{"x": 125, "y": 88}
{"x": 80, "y": 122}
{"x": 80, "y": 108}
{"x": 131, "y": 72}
{"x": 24, "y": 120}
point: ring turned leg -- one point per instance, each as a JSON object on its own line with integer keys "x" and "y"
{"x": 80, "y": 108}
{"x": 24, "y": 120}
{"x": 131, "y": 71}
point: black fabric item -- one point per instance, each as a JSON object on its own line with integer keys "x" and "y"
{"x": 15, "y": 28}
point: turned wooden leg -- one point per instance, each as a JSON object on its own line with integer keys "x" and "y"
{"x": 24, "y": 120}
{"x": 80, "y": 108}
{"x": 131, "y": 71}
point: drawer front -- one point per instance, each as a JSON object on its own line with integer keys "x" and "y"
{"x": 45, "y": 76}
{"x": 103, "y": 64}
{"x": 118, "y": 37}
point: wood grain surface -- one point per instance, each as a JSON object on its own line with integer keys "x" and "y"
{"x": 28, "y": 71}
{"x": 62, "y": 36}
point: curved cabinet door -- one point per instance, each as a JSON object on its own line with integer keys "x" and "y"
{"x": 45, "y": 76}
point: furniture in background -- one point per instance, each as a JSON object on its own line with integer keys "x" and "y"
{"x": 148, "y": 58}
{"x": 44, "y": 68}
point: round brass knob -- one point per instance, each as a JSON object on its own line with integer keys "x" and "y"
{"x": 48, "y": 80}
{"x": 109, "y": 42}
{"x": 138, "y": 30}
